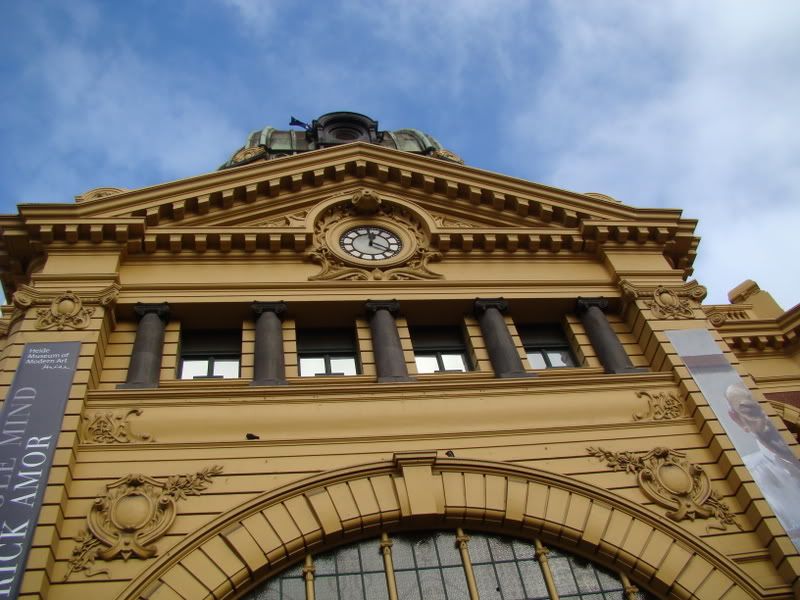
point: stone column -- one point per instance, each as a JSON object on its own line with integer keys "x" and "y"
{"x": 389, "y": 359}
{"x": 268, "y": 362}
{"x": 499, "y": 344}
{"x": 605, "y": 342}
{"x": 145, "y": 366}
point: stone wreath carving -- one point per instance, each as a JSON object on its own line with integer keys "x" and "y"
{"x": 135, "y": 511}
{"x": 668, "y": 302}
{"x": 671, "y": 481}
{"x": 111, "y": 428}
{"x": 661, "y": 406}
{"x": 63, "y": 311}
{"x": 367, "y": 203}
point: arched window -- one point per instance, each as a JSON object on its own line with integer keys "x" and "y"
{"x": 446, "y": 565}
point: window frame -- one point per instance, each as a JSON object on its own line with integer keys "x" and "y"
{"x": 327, "y": 344}
{"x": 209, "y": 346}
{"x": 437, "y": 342}
{"x": 541, "y": 338}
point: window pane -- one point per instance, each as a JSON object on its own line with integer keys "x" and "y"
{"x": 454, "y": 362}
{"x": 536, "y": 360}
{"x": 426, "y": 364}
{"x": 226, "y": 367}
{"x": 194, "y": 368}
{"x": 312, "y": 366}
{"x": 345, "y": 365}
{"x": 560, "y": 358}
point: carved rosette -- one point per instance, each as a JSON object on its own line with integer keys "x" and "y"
{"x": 367, "y": 204}
{"x": 111, "y": 428}
{"x": 661, "y": 406}
{"x": 673, "y": 302}
{"x": 135, "y": 511}
{"x": 671, "y": 481}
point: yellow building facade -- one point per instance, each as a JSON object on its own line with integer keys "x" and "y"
{"x": 348, "y": 343}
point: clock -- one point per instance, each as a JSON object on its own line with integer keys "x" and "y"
{"x": 370, "y": 242}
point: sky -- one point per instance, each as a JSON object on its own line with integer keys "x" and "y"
{"x": 677, "y": 104}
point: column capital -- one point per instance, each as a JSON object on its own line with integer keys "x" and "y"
{"x": 160, "y": 309}
{"x": 584, "y": 304}
{"x": 481, "y": 305}
{"x": 373, "y": 306}
{"x": 260, "y": 308}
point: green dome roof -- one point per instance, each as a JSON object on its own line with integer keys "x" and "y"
{"x": 333, "y": 129}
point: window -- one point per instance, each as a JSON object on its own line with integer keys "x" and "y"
{"x": 327, "y": 352}
{"x": 430, "y": 564}
{"x": 210, "y": 354}
{"x": 546, "y": 346}
{"x": 439, "y": 349}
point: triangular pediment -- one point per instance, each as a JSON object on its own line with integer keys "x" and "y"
{"x": 266, "y": 204}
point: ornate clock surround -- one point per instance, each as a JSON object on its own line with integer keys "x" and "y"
{"x": 365, "y": 208}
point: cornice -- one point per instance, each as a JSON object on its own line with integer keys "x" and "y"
{"x": 151, "y": 219}
{"x": 364, "y": 389}
{"x": 137, "y": 446}
{"x": 744, "y": 333}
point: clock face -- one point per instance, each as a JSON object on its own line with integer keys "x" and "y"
{"x": 370, "y": 243}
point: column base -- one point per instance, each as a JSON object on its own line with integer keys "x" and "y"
{"x": 515, "y": 375}
{"x": 627, "y": 370}
{"x": 136, "y": 386}
{"x": 396, "y": 379}
{"x": 266, "y": 382}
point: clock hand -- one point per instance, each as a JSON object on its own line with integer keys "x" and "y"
{"x": 370, "y": 236}
{"x": 380, "y": 247}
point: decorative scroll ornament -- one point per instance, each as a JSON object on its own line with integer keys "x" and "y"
{"x": 443, "y": 154}
{"x": 448, "y": 223}
{"x": 62, "y": 311}
{"x": 97, "y": 193}
{"x": 249, "y": 154}
{"x": 721, "y": 314}
{"x": 295, "y": 220}
{"x": 65, "y": 311}
{"x": 661, "y": 406}
{"x": 674, "y": 302}
{"x": 135, "y": 511}
{"x": 112, "y": 428}
{"x": 366, "y": 203}
{"x": 671, "y": 481}
{"x": 666, "y": 304}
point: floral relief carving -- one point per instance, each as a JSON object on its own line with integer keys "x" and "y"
{"x": 661, "y": 406}
{"x": 667, "y": 304}
{"x": 65, "y": 311}
{"x": 671, "y": 481}
{"x": 135, "y": 511}
{"x": 295, "y": 220}
{"x": 364, "y": 202}
{"x": 449, "y": 223}
{"x": 673, "y": 302}
{"x": 112, "y": 428}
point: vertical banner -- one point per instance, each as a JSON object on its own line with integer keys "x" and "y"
{"x": 764, "y": 452}
{"x": 29, "y": 426}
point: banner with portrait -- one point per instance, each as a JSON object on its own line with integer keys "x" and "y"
{"x": 764, "y": 452}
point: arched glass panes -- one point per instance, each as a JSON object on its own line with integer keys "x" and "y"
{"x": 446, "y": 565}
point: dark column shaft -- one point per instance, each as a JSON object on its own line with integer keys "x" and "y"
{"x": 145, "y": 366}
{"x": 499, "y": 344}
{"x": 389, "y": 359}
{"x": 605, "y": 342}
{"x": 268, "y": 362}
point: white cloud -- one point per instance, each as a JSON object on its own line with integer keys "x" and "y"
{"x": 686, "y": 105}
{"x": 112, "y": 116}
